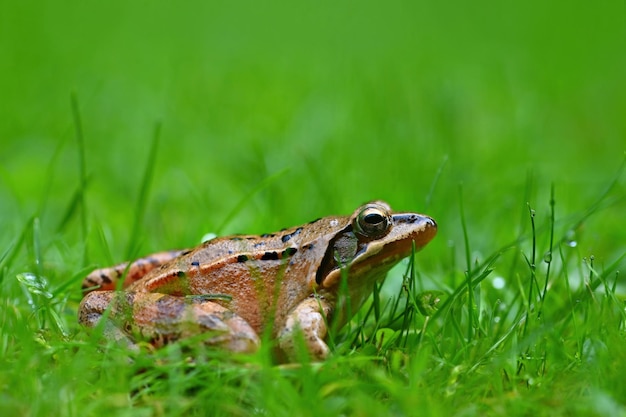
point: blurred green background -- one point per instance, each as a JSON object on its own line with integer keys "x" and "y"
{"x": 310, "y": 109}
{"x": 276, "y": 113}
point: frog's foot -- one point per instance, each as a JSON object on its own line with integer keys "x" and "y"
{"x": 306, "y": 325}
{"x": 160, "y": 318}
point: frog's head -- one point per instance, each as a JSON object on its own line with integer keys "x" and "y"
{"x": 370, "y": 245}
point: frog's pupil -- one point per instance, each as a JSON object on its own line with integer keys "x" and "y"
{"x": 373, "y": 218}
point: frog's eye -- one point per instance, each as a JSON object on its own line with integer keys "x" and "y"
{"x": 373, "y": 222}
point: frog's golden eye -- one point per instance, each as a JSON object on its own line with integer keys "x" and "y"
{"x": 373, "y": 222}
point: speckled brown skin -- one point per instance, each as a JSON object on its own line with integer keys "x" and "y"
{"x": 233, "y": 287}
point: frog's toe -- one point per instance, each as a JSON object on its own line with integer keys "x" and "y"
{"x": 306, "y": 328}
{"x": 225, "y": 328}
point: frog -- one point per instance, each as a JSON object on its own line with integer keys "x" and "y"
{"x": 232, "y": 291}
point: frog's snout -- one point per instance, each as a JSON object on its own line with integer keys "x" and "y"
{"x": 429, "y": 229}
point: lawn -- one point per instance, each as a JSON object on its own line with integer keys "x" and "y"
{"x": 134, "y": 127}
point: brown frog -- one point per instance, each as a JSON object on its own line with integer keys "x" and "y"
{"x": 232, "y": 289}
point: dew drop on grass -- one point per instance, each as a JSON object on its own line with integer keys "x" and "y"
{"x": 35, "y": 284}
{"x": 570, "y": 238}
{"x": 498, "y": 283}
{"x": 208, "y": 236}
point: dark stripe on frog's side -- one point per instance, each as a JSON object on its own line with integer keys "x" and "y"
{"x": 264, "y": 256}
{"x": 288, "y": 236}
{"x": 104, "y": 279}
{"x": 329, "y": 262}
{"x": 90, "y": 283}
{"x": 275, "y": 255}
{"x": 270, "y": 256}
{"x": 289, "y": 252}
{"x": 100, "y": 278}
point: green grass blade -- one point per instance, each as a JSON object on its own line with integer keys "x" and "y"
{"x": 82, "y": 173}
{"x": 144, "y": 192}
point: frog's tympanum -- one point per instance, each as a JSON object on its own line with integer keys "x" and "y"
{"x": 230, "y": 290}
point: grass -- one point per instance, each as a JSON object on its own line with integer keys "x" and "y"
{"x": 130, "y": 128}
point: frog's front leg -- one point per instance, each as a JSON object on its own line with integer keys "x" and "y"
{"x": 161, "y": 318}
{"x": 308, "y": 323}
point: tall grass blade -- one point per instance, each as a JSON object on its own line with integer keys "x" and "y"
{"x": 82, "y": 173}
{"x": 433, "y": 185}
{"x": 144, "y": 191}
{"x": 471, "y": 304}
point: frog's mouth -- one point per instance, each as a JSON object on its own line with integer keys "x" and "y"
{"x": 376, "y": 257}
